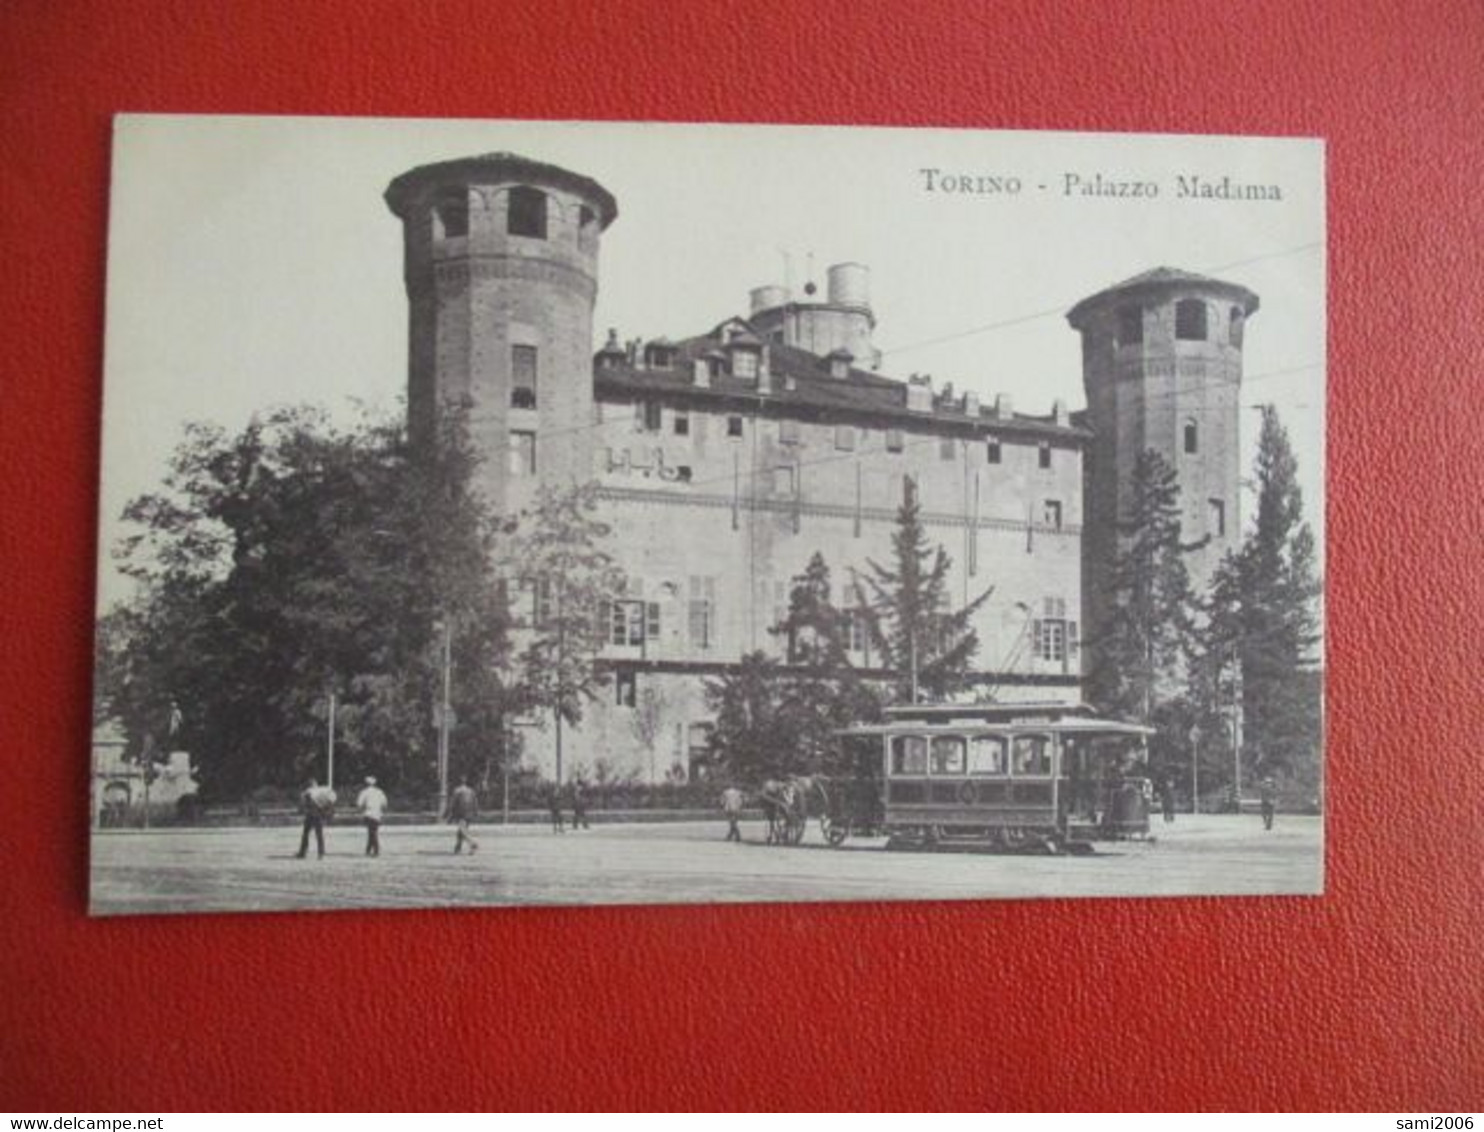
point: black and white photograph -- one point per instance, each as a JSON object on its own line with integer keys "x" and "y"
{"x": 510, "y": 512}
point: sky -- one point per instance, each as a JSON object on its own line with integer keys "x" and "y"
{"x": 252, "y": 262}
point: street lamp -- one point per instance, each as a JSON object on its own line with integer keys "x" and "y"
{"x": 444, "y": 629}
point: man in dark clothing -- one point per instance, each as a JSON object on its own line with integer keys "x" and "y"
{"x": 463, "y": 805}
{"x": 1269, "y": 802}
{"x": 1167, "y": 797}
{"x": 554, "y": 803}
{"x": 579, "y": 805}
{"x": 318, "y": 803}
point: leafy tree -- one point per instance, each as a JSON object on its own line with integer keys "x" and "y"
{"x": 1139, "y": 658}
{"x": 559, "y": 561}
{"x": 756, "y": 732}
{"x": 292, "y": 560}
{"x": 909, "y": 617}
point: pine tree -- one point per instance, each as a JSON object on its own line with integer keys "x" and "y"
{"x": 1139, "y": 658}
{"x": 821, "y": 689}
{"x": 1279, "y": 628}
{"x": 909, "y": 618}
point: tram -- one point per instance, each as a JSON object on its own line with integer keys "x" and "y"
{"x": 1008, "y": 776}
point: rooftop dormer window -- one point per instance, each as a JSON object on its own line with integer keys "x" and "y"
{"x": 659, "y": 355}
{"x": 839, "y": 363}
{"x": 527, "y": 213}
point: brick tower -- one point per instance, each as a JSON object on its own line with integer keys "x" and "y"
{"x": 1162, "y": 369}
{"x": 501, "y": 268}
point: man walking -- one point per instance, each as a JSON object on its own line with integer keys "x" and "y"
{"x": 372, "y": 803}
{"x": 1167, "y": 798}
{"x": 579, "y": 805}
{"x": 463, "y": 806}
{"x": 554, "y": 803}
{"x": 1269, "y": 797}
{"x": 731, "y": 806}
{"x": 318, "y": 804}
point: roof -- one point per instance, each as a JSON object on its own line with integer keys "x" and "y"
{"x": 811, "y": 390}
{"x": 1161, "y": 279}
{"x": 498, "y": 167}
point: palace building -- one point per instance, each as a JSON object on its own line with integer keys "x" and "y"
{"x": 726, "y": 458}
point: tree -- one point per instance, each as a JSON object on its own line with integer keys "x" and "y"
{"x": 292, "y": 560}
{"x": 1139, "y": 658}
{"x": 756, "y": 733}
{"x": 908, "y": 616}
{"x": 558, "y": 560}
{"x": 821, "y": 684}
{"x": 649, "y": 717}
{"x": 1278, "y": 627}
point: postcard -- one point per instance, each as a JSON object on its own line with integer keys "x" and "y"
{"x": 502, "y": 512}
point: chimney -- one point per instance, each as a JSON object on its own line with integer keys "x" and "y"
{"x": 1004, "y": 409}
{"x": 920, "y": 393}
{"x": 971, "y": 403}
{"x": 1059, "y": 412}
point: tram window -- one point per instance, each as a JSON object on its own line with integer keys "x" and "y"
{"x": 987, "y": 755}
{"x": 1032, "y": 754}
{"x": 948, "y": 754}
{"x": 909, "y": 754}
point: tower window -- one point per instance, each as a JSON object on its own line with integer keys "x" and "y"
{"x": 527, "y": 215}
{"x": 1192, "y": 438}
{"x": 522, "y": 453}
{"x": 523, "y": 377}
{"x": 585, "y": 218}
{"x": 1239, "y": 320}
{"x": 1190, "y": 320}
{"x": 744, "y": 363}
{"x": 993, "y": 451}
{"x": 1130, "y": 326}
{"x": 1217, "y": 517}
{"x": 1043, "y": 456}
{"x": 451, "y": 214}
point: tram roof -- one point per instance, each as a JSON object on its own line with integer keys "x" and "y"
{"x": 962, "y": 723}
{"x": 1038, "y": 709}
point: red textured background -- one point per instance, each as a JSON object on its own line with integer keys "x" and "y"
{"x": 1370, "y": 997}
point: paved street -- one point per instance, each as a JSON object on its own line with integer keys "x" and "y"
{"x": 254, "y": 868}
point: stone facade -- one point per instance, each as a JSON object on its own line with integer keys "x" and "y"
{"x": 726, "y": 460}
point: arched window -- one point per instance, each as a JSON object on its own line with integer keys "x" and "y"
{"x": 1130, "y": 326}
{"x": 1190, "y": 320}
{"x": 1192, "y": 437}
{"x": 1239, "y": 320}
{"x": 527, "y": 213}
{"x": 451, "y": 214}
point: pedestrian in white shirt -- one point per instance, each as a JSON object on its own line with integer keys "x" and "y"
{"x": 372, "y": 803}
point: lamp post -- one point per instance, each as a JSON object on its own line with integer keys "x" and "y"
{"x": 445, "y": 630}
{"x": 1195, "y": 769}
